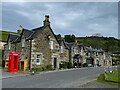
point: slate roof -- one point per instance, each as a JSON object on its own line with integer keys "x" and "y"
{"x": 27, "y": 33}
{"x": 62, "y": 40}
{"x": 13, "y": 37}
{"x": 87, "y": 49}
{"x": 35, "y": 32}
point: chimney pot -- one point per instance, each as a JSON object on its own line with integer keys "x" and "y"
{"x": 46, "y": 17}
{"x": 20, "y": 29}
{"x": 46, "y": 22}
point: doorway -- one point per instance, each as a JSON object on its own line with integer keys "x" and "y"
{"x": 55, "y": 63}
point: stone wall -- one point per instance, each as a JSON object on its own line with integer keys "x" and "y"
{"x": 41, "y": 44}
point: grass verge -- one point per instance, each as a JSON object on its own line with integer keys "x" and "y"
{"x": 110, "y": 78}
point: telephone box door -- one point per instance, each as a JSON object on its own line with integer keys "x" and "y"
{"x": 13, "y": 62}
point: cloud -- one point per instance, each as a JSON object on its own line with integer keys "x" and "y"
{"x": 81, "y": 19}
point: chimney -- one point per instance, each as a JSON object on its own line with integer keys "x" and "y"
{"x": 19, "y": 31}
{"x": 46, "y": 21}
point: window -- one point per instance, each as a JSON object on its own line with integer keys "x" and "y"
{"x": 87, "y": 54}
{"x": 38, "y": 59}
{"x": 62, "y": 49}
{"x": 57, "y": 46}
{"x": 23, "y": 41}
{"x": 51, "y": 44}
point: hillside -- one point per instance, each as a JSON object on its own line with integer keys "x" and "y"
{"x": 4, "y": 35}
{"x": 107, "y": 43}
{"x": 110, "y": 44}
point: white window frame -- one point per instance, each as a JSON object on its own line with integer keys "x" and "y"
{"x": 9, "y": 45}
{"x": 51, "y": 44}
{"x": 23, "y": 41}
{"x": 62, "y": 49}
{"x": 38, "y": 58}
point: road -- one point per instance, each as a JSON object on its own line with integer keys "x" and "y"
{"x": 61, "y": 79}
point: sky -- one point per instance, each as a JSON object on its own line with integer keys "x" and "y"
{"x": 78, "y": 18}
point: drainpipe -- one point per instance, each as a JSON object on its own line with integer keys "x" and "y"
{"x": 30, "y": 55}
{"x": 15, "y": 47}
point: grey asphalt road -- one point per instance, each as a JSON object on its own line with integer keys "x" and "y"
{"x": 62, "y": 79}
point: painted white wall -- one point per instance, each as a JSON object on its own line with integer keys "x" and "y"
{"x": 2, "y": 45}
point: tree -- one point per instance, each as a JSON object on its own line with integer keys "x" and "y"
{"x": 58, "y": 36}
{"x": 70, "y": 38}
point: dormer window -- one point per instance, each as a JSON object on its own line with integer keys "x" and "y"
{"x": 23, "y": 41}
{"x": 9, "y": 45}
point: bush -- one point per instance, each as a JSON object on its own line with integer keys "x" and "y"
{"x": 85, "y": 65}
{"x": 36, "y": 69}
{"x": 49, "y": 67}
{"x": 69, "y": 65}
{"x": 101, "y": 77}
{"x": 65, "y": 65}
{"x": 43, "y": 68}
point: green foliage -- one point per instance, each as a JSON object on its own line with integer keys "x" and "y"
{"x": 107, "y": 43}
{"x": 110, "y": 78}
{"x": 114, "y": 77}
{"x": 4, "y": 35}
{"x": 49, "y": 67}
{"x": 69, "y": 65}
{"x": 63, "y": 65}
{"x": 101, "y": 77}
{"x": 66, "y": 65}
{"x": 70, "y": 38}
{"x": 85, "y": 65}
{"x": 58, "y": 36}
{"x": 45, "y": 68}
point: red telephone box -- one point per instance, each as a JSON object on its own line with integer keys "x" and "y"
{"x": 13, "y": 62}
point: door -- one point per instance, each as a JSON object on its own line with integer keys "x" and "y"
{"x": 55, "y": 63}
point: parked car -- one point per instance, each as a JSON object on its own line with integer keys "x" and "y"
{"x": 90, "y": 65}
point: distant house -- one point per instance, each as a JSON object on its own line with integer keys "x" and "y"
{"x": 64, "y": 50}
{"x": 97, "y": 57}
{"x": 38, "y": 46}
{"x": 75, "y": 54}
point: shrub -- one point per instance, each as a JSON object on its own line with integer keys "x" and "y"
{"x": 101, "y": 77}
{"x": 43, "y": 68}
{"x": 69, "y": 65}
{"x": 49, "y": 67}
{"x": 66, "y": 65}
{"x": 85, "y": 65}
{"x": 63, "y": 65}
{"x": 36, "y": 69}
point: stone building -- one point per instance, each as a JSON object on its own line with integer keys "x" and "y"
{"x": 97, "y": 57}
{"x": 75, "y": 51}
{"x": 64, "y": 50}
{"x": 38, "y": 46}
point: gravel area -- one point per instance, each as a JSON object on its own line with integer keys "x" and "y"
{"x": 95, "y": 84}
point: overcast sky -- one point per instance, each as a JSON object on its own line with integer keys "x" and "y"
{"x": 79, "y": 18}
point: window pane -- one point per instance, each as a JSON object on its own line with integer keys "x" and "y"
{"x": 51, "y": 44}
{"x": 37, "y": 60}
{"x": 38, "y": 56}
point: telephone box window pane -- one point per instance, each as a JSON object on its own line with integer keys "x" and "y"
{"x": 15, "y": 62}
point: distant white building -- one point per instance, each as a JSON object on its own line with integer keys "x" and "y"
{"x": 2, "y": 45}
